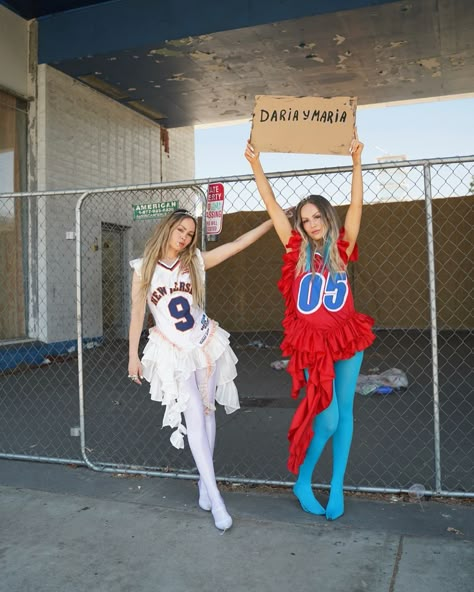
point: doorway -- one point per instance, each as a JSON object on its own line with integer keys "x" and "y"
{"x": 114, "y": 287}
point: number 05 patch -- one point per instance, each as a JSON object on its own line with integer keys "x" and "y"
{"x": 317, "y": 290}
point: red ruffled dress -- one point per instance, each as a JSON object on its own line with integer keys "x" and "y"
{"x": 321, "y": 327}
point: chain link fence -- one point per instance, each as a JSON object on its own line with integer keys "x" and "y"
{"x": 38, "y": 361}
{"x": 68, "y": 400}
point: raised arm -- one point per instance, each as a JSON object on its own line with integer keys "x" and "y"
{"x": 354, "y": 213}
{"x": 275, "y": 211}
{"x": 136, "y": 326}
{"x": 223, "y": 252}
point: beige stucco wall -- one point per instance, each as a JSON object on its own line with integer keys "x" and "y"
{"x": 390, "y": 280}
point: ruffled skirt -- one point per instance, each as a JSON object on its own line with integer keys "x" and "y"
{"x": 315, "y": 352}
{"x": 167, "y": 368}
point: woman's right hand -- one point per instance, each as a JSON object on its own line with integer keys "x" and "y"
{"x": 251, "y": 154}
{"x": 135, "y": 370}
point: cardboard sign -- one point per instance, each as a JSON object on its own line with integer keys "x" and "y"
{"x": 304, "y": 125}
{"x": 214, "y": 208}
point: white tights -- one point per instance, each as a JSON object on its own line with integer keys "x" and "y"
{"x": 201, "y": 430}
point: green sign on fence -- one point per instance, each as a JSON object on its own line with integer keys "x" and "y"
{"x": 154, "y": 210}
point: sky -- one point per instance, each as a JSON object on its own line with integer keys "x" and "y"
{"x": 441, "y": 128}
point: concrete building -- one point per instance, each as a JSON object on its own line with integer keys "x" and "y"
{"x": 57, "y": 133}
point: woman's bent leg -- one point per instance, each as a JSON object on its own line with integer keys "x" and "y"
{"x": 201, "y": 451}
{"x": 325, "y": 424}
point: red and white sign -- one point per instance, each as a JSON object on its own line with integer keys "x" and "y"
{"x": 214, "y": 208}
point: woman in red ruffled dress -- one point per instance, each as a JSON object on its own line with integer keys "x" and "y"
{"x": 324, "y": 336}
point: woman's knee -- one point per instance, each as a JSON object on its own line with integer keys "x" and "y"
{"x": 326, "y": 424}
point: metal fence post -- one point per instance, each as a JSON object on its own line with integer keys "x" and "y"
{"x": 80, "y": 370}
{"x": 434, "y": 324}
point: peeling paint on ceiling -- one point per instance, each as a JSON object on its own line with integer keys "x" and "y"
{"x": 380, "y": 53}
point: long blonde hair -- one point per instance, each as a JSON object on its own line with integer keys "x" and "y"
{"x": 155, "y": 249}
{"x": 330, "y": 255}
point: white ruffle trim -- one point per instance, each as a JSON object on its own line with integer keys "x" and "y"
{"x": 167, "y": 367}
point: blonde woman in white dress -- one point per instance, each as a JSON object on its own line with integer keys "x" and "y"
{"x": 188, "y": 360}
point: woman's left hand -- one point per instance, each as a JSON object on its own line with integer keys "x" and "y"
{"x": 356, "y": 148}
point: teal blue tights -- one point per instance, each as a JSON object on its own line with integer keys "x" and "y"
{"x": 336, "y": 421}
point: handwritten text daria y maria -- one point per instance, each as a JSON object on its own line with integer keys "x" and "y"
{"x": 320, "y": 115}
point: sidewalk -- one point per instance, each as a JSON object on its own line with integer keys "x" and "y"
{"x": 69, "y": 529}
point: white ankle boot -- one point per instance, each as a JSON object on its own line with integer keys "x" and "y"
{"x": 222, "y": 518}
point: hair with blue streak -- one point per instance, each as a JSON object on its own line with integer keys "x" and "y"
{"x": 326, "y": 252}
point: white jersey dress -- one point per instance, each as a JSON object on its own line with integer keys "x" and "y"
{"x": 183, "y": 340}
